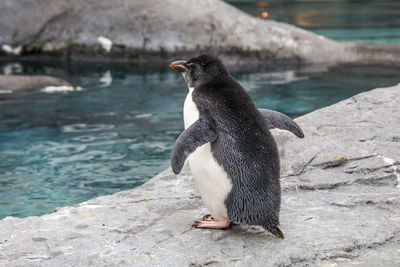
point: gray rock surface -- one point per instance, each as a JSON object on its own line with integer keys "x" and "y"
{"x": 155, "y": 30}
{"x": 340, "y": 206}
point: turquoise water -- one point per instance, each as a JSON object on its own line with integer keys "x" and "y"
{"x": 64, "y": 148}
{"x": 374, "y": 21}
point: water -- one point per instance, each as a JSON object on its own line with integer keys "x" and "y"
{"x": 374, "y": 21}
{"x": 64, "y": 148}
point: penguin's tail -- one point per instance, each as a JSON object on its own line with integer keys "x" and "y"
{"x": 276, "y": 231}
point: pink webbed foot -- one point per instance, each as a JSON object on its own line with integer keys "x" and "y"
{"x": 212, "y": 223}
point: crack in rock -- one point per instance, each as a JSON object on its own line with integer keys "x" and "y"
{"x": 372, "y": 180}
{"x": 340, "y": 161}
{"x": 393, "y": 164}
{"x": 303, "y": 168}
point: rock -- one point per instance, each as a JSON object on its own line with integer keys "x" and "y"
{"x": 12, "y": 84}
{"x": 155, "y": 30}
{"x": 340, "y": 206}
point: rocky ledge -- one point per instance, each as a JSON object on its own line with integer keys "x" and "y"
{"x": 162, "y": 30}
{"x": 340, "y": 206}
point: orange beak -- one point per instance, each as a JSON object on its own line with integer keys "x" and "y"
{"x": 178, "y": 65}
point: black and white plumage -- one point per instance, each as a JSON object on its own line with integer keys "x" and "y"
{"x": 232, "y": 155}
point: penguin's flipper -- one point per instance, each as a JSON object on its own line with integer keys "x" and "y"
{"x": 275, "y": 119}
{"x": 199, "y": 133}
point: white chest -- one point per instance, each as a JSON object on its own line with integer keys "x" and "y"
{"x": 190, "y": 111}
{"x": 211, "y": 179}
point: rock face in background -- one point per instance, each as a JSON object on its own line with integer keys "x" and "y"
{"x": 340, "y": 206}
{"x": 157, "y": 30}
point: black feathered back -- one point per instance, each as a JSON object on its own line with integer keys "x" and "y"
{"x": 246, "y": 150}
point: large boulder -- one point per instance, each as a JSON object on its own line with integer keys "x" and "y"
{"x": 155, "y": 30}
{"x": 340, "y": 206}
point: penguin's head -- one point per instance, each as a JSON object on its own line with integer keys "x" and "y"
{"x": 200, "y": 70}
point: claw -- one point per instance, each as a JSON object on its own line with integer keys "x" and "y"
{"x": 208, "y": 217}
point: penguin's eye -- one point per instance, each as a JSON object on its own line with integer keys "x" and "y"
{"x": 202, "y": 64}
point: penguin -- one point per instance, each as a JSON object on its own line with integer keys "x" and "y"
{"x": 14, "y": 84}
{"x": 231, "y": 153}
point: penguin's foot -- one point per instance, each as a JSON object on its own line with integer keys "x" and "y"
{"x": 211, "y": 223}
{"x": 208, "y": 217}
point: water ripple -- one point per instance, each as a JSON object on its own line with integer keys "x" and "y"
{"x": 83, "y": 127}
